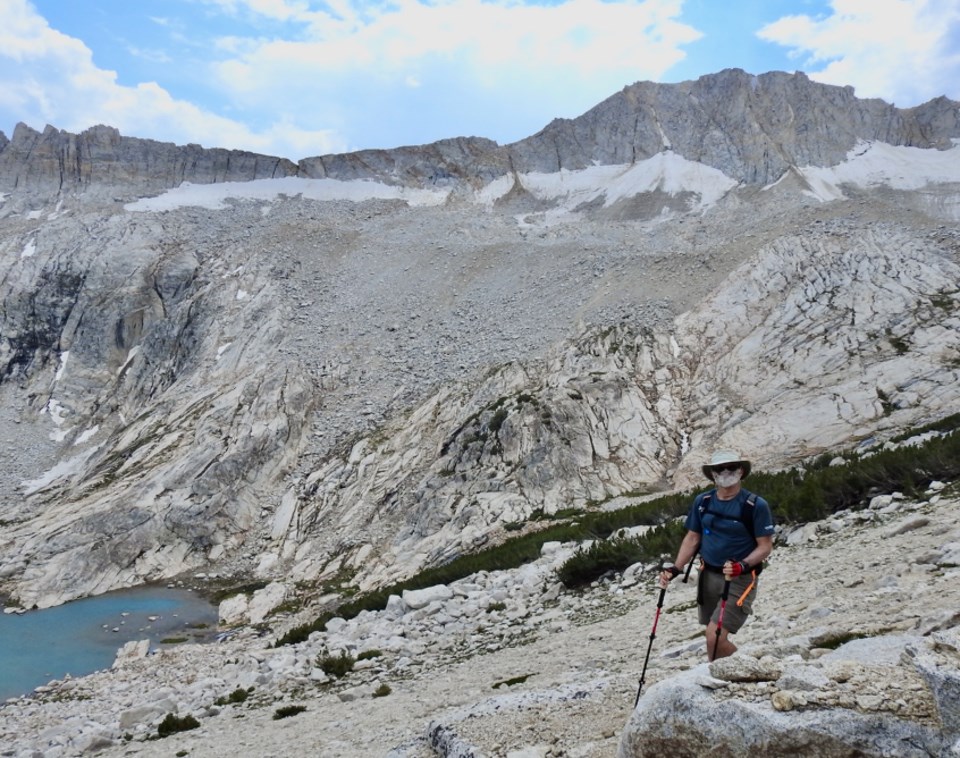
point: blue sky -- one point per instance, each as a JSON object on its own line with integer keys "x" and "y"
{"x": 299, "y": 78}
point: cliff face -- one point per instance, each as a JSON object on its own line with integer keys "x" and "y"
{"x": 303, "y": 387}
{"x": 55, "y": 161}
{"x": 752, "y": 128}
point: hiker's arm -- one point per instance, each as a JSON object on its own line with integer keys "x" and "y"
{"x": 688, "y": 548}
{"x": 761, "y": 552}
{"x": 757, "y": 556}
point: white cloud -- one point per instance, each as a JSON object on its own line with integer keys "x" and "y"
{"x": 501, "y": 69}
{"x": 47, "y": 77}
{"x": 905, "y": 51}
{"x": 348, "y": 75}
{"x": 591, "y": 34}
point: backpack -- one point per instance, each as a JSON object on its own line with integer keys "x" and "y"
{"x": 747, "y": 513}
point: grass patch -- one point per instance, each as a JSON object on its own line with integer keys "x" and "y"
{"x": 382, "y": 691}
{"x": 173, "y": 640}
{"x": 243, "y": 589}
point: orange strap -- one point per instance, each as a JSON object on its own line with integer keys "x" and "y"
{"x": 753, "y": 583}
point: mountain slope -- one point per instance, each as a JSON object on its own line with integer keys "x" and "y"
{"x": 312, "y": 378}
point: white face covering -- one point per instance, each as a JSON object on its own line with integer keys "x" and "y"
{"x": 727, "y": 478}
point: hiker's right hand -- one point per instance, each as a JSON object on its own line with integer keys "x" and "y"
{"x": 667, "y": 573}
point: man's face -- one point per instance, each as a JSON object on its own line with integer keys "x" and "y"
{"x": 726, "y": 474}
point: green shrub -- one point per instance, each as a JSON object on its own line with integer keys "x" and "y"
{"x": 605, "y": 556}
{"x": 239, "y": 695}
{"x": 368, "y": 655}
{"x": 382, "y": 691}
{"x": 288, "y": 710}
{"x": 796, "y": 496}
{"x": 336, "y": 666}
{"x": 172, "y": 724}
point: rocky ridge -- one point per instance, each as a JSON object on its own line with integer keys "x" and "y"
{"x": 752, "y": 128}
{"x": 863, "y": 657}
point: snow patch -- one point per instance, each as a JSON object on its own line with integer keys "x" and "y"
{"x": 64, "y": 468}
{"x": 130, "y": 356}
{"x": 29, "y": 250}
{"x": 64, "y": 356}
{"x": 87, "y": 435}
{"x": 872, "y": 164}
{"x": 666, "y": 172}
{"x": 215, "y": 196}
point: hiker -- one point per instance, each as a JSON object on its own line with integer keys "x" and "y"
{"x": 733, "y": 530}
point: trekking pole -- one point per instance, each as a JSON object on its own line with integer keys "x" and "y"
{"x": 653, "y": 635}
{"x": 723, "y": 607}
{"x": 686, "y": 574}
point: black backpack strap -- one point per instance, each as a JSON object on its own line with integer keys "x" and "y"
{"x": 748, "y": 515}
{"x": 705, "y": 502}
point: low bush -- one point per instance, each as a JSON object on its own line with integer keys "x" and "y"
{"x": 239, "y": 695}
{"x": 336, "y": 666}
{"x": 172, "y": 724}
{"x": 797, "y": 496}
{"x": 287, "y": 711}
{"x": 614, "y": 555}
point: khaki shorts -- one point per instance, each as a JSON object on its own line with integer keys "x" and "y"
{"x": 710, "y": 592}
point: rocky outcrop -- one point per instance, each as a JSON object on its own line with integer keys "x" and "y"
{"x": 100, "y": 160}
{"x": 167, "y": 439}
{"x": 469, "y": 161}
{"x": 611, "y": 412}
{"x": 829, "y": 707}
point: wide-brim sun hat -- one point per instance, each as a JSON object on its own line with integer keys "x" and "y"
{"x": 726, "y": 456}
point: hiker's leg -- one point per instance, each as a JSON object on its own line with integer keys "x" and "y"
{"x": 724, "y": 646}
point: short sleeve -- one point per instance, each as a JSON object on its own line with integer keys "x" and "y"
{"x": 693, "y": 522}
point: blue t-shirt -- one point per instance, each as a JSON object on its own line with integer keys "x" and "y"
{"x": 723, "y": 536}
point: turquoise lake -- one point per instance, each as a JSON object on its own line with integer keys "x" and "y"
{"x": 83, "y": 636}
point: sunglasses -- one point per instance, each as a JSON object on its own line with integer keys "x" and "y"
{"x": 725, "y": 467}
